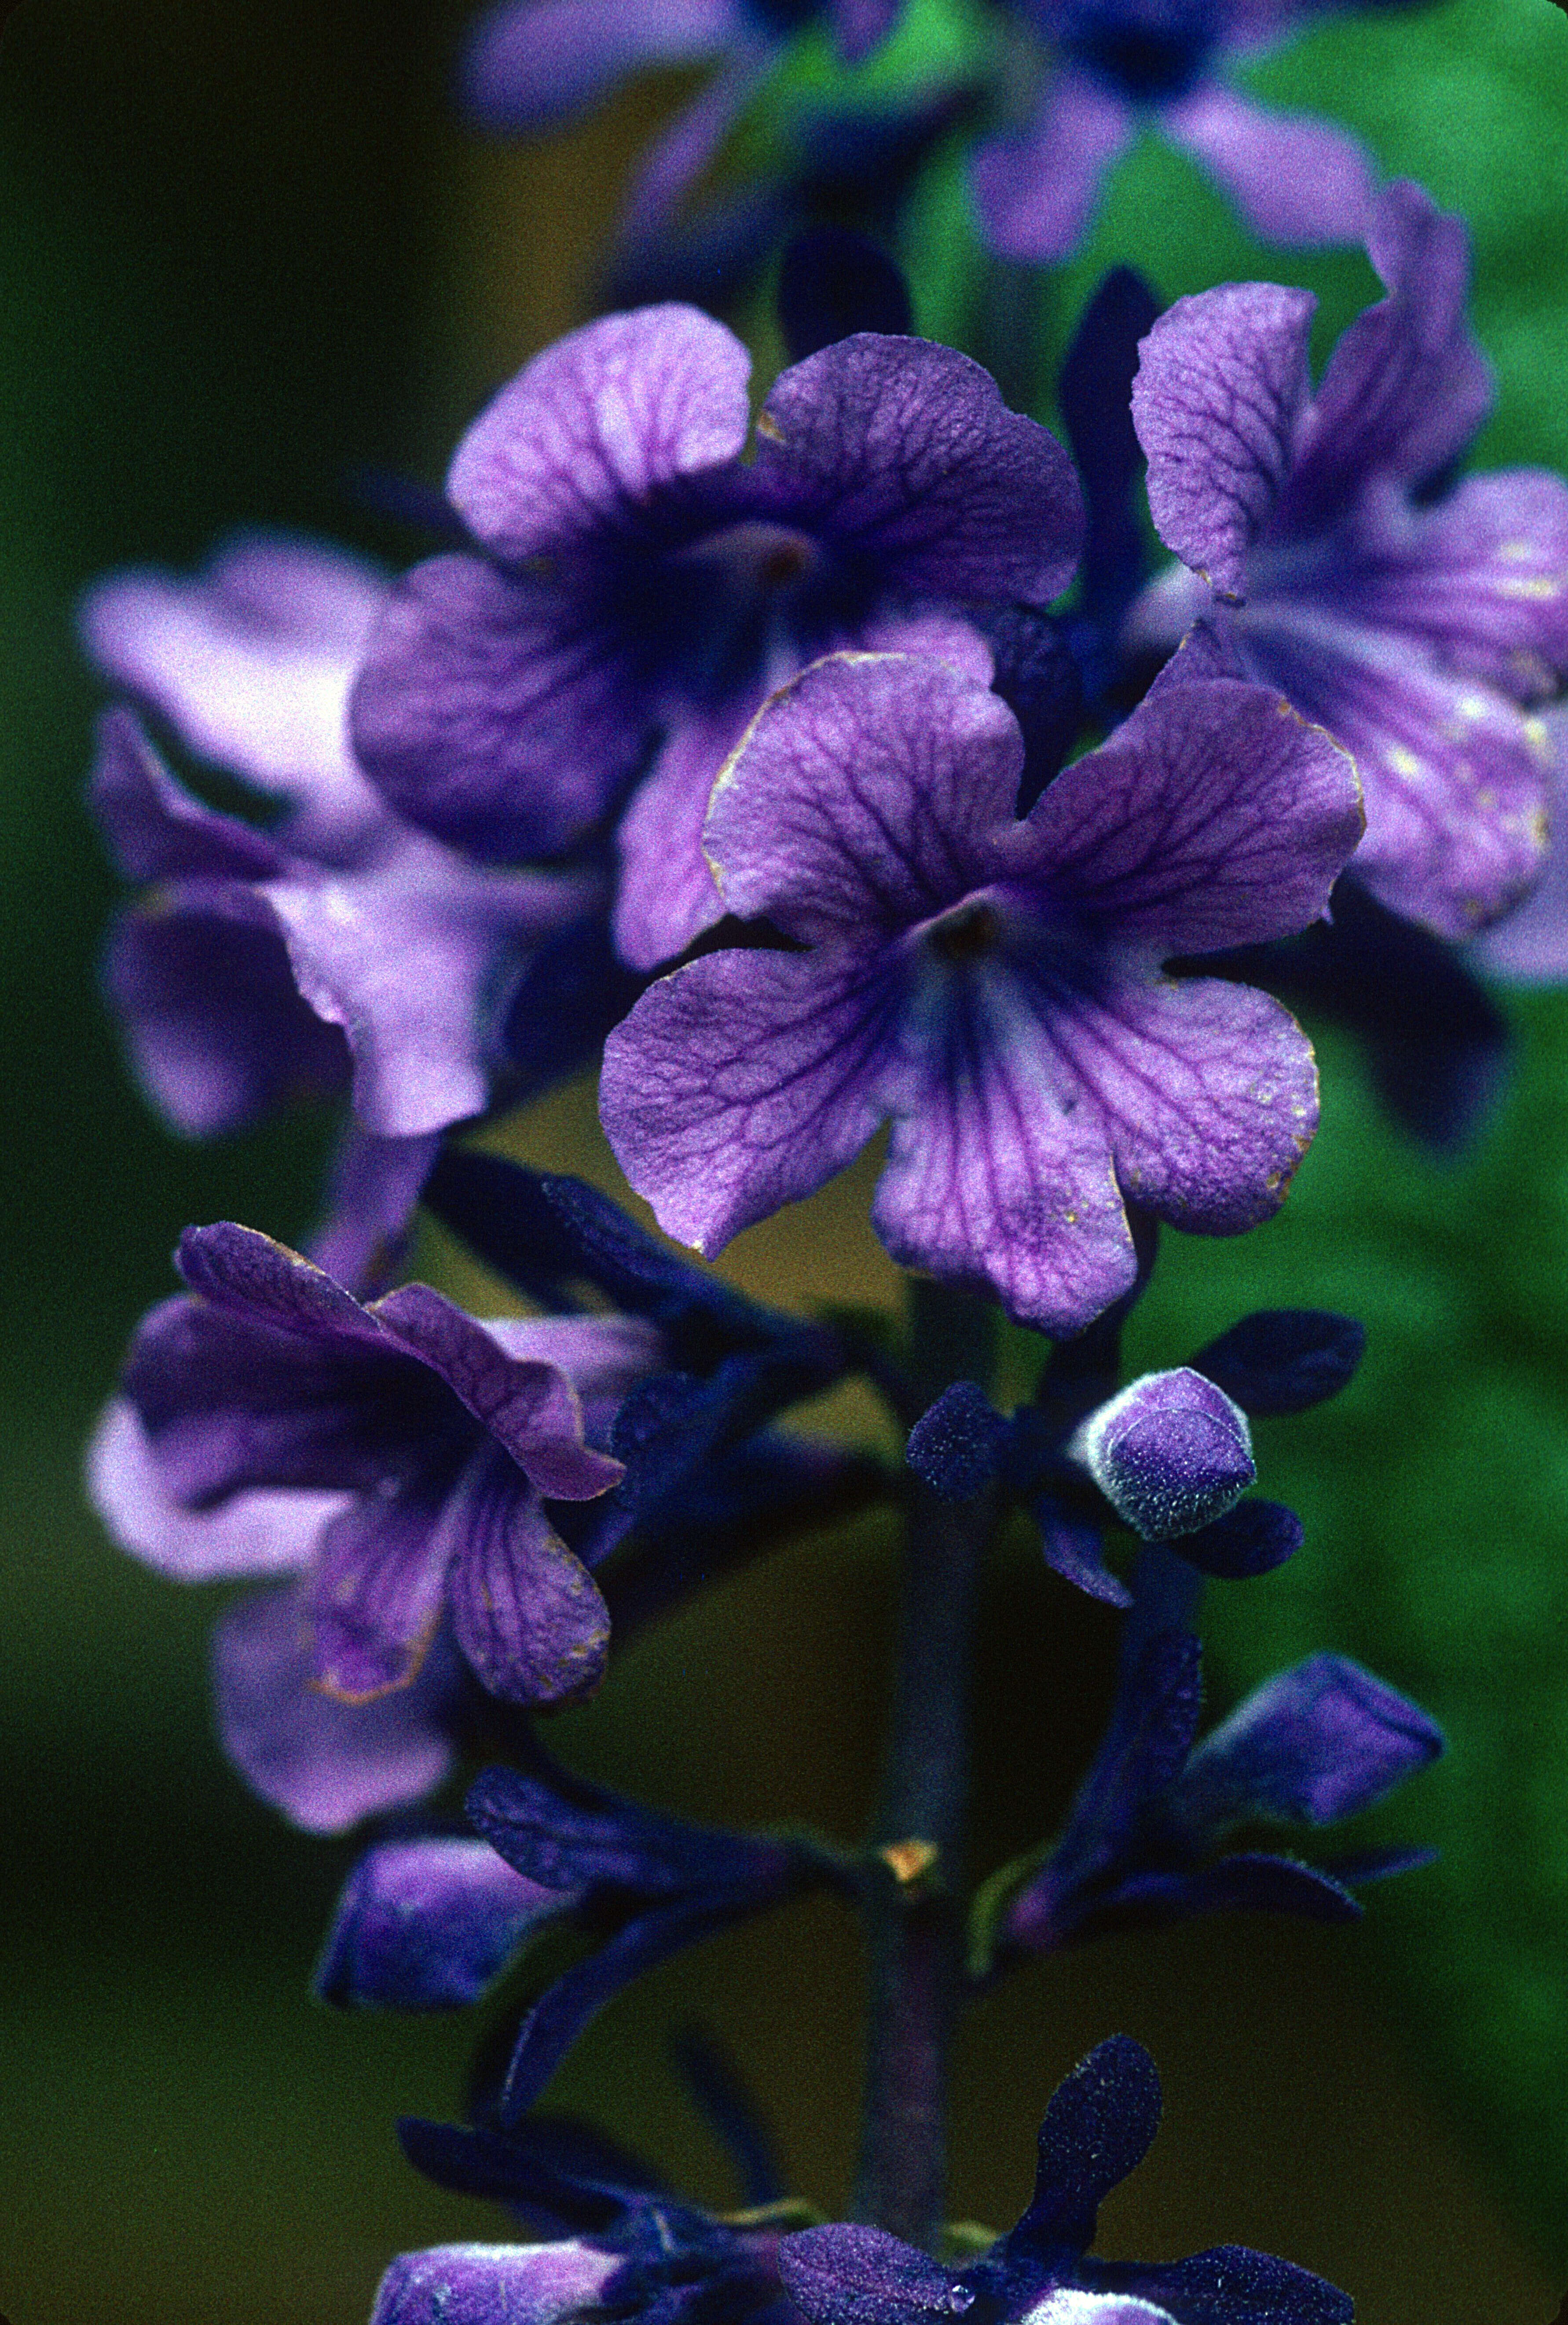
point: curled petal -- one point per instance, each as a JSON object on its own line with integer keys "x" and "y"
{"x": 527, "y": 1613}
{"x": 1223, "y": 378}
{"x": 250, "y": 1533}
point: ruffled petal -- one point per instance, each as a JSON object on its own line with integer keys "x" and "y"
{"x": 864, "y": 797}
{"x": 667, "y": 894}
{"x": 324, "y": 1764}
{"x": 1214, "y": 817}
{"x": 495, "y": 2284}
{"x": 574, "y": 447}
{"x": 997, "y": 1172}
{"x": 1222, "y": 379}
{"x": 1293, "y": 178}
{"x": 744, "y": 1082}
{"x": 527, "y": 1613}
{"x": 500, "y": 714}
{"x": 376, "y": 1598}
{"x": 1407, "y": 385}
{"x": 1206, "y": 1094}
{"x": 904, "y": 453}
{"x": 1036, "y": 188}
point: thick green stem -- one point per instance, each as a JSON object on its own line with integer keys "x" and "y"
{"x": 917, "y": 1912}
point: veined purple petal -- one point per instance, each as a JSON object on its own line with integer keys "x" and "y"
{"x": 529, "y": 62}
{"x": 496, "y": 711}
{"x": 250, "y": 664}
{"x": 1036, "y": 188}
{"x": 427, "y": 1924}
{"x": 324, "y": 1764}
{"x": 527, "y": 1403}
{"x": 251, "y": 1533}
{"x": 495, "y": 2284}
{"x": 744, "y": 1082}
{"x": 1294, "y": 179}
{"x": 1214, "y": 816}
{"x": 409, "y": 956}
{"x": 1206, "y": 1093}
{"x": 527, "y": 1613}
{"x": 864, "y": 797}
{"x": 1223, "y": 378}
{"x": 154, "y": 827}
{"x": 1482, "y": 578}
{"x": 597, "y": 423}
{"x": 1407, "y": 386}
{"x": 374, "y": 1600}
{"x": 904, "y": 452}
{"x": 1455, "y": 775}
{"x": 996, "y": 1172}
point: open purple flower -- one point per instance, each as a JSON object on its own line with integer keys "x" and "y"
{"x": 1098, "y": 2127}
{"x": 644, "y": 586}
{"x": 1146, "y": 1841}
{"x": 993, "y": 986}
{"x": 342, "y": 948}
{"x": 1101, "y": 70}
{"x": 529, "y": 64}
{"x": 441, "y": 1438}
{"x": 1418, "y": 630}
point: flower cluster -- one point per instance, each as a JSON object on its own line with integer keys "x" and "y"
{"x": 768, "y": 764}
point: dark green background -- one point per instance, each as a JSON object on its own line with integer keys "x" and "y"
{"x": 243, "y": 250}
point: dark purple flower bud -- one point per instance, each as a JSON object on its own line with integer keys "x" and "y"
{"x": 956, "y": 1448}
{"x": 1316, "y": 1743}
{"x": 1169, "y": 1452}
{"x": 428, "y": 1924}
{"x": 1284, "y": 1359}
{"x": 1253, "y": 1538}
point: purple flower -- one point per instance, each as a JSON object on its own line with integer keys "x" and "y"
{"x": 344, "y": 948}
{"x": 1531, "y": 946}
{"x": 1091, "y": 73}
{"x": 528, "y": 63}
{"x": 440, "y": 1439}
{"x": 1144, "y": 1841}
{"x": 644, "y": 587}
{"x": 428, "y": 1924}
{"x": 1418, "y": 631}
{"x": 622, "y": 2244}
{"x": 1098, "y": 2127}
{"x": 994, "y": 987}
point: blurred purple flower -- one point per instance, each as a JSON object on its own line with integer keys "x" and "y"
{"x": 1089, "y": 74}
{"x": 424, "y": 1446}
{"x": 343, "y": 948}
{"x": 645, "y": 585}
{"x": 993, "y": 986}
{"x": 1417, "y": 629}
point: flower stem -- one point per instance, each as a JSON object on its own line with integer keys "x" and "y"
{"x": 915, "y": 1911}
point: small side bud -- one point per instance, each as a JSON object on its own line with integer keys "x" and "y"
{"x": 956, "y": 1448}
{"x": 1171, "y": 1452}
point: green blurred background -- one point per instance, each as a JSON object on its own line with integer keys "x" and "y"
{"x": 243, "y": 251}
